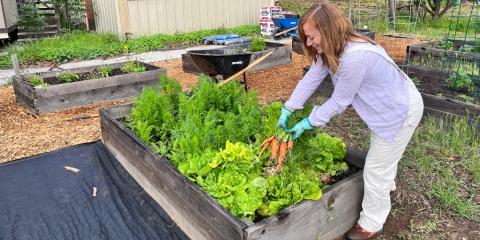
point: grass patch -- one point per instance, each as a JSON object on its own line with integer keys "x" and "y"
{"x": 421, "y": 229}
{"x": 446, "y": 155}
{"x": 80, "y": 45}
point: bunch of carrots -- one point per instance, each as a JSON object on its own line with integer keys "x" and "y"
{"x": 280, "y": 144}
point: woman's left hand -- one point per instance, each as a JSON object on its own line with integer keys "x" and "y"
{"x": 299, "y": 128}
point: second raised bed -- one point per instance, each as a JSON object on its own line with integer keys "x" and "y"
{"x": 56, "y": 97}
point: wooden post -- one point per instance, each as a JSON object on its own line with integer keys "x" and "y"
{"x": 391, "y": 12}
{"x": 89, "y": 16}
{"x": 16, "y": 66}
{"x": 56, "y": 8}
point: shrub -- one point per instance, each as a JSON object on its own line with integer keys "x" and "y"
{"x": 29, "y": 18}
{"x": 460, "y": 82}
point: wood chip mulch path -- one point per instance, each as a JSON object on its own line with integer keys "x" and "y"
{"x": 23, "y": 135}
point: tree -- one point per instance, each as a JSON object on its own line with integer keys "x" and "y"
{"x": 29, "y": 18}
{"x": 73, "y": 12}
{"x": 437, "y": 8}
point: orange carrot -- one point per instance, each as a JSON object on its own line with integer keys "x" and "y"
{"x": 281, "y": 155}
{"x": 265, "y": 146}
{"x": 274, "y": 149}
{"x": 268, "y": 140}
{"x": 289, "y": 145}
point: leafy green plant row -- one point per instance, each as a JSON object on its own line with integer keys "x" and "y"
{"x": 213, "y": 136}
{"x": 80, "y": 45}
{"x": 101, "y": 72}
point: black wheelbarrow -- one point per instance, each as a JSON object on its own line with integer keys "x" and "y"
{"x": 221, "y": 63}
{"x": 225, "y": 63}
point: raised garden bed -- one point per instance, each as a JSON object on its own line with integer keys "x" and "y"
{"x": 437, "y": 97}
{"x": 282, "y": 54}
{"x": 434, "y": 49}
{"x": 201, "y": 217}
{"x": 58, "y": 95}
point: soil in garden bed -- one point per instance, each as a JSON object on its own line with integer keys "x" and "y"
{"x": 94, "y": 75}
{"x": 351, "y": 170}
{"x": 439, "y": 87}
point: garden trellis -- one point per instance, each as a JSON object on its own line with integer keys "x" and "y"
{"x": 407, "y": 15}
{"x": 450, "y": 67}
{"x": 462, "y": 49}
{"x": 392, "y": 15}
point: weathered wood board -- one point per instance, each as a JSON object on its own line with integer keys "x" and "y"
{"x": 75, "y": 94}
{"x": 202, "y": 217}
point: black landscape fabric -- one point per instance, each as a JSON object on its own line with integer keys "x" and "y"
{"x": 39, "y": 199}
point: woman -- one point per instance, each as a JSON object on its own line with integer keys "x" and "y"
{"x": 364, "y": 76}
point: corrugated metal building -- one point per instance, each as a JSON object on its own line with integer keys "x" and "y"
{"x": 8, "y": 17}
{"x": 147, "y": 17}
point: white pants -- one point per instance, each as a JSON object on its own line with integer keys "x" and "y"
{"x": 381, "y": 167}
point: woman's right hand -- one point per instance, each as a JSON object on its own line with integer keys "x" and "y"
{"x": 285, "y": 114}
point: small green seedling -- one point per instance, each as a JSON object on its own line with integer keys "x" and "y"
{"x": 68, "y": 77}
{"x": 460, "y": 82}
{"x": 445, "y": 44}
{"x": 105, "y": 71}
{"x": 258, "y": 44}
{"x": 132, "y": 67}
{"x": 37, "y": 80}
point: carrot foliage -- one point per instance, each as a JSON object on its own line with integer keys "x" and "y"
{"x": 213, "y": 135}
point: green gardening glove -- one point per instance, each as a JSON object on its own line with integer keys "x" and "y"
{"x": 284, "y": 116}
{"x": 299, "y": 128}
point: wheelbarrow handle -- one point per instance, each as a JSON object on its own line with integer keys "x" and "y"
{"x": 285, "y": 31}
{"x": 251, "y": 65}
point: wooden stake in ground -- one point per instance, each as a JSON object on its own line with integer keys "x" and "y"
{"x": 16, "y": 66}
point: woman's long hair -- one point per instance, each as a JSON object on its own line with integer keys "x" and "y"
{"x": 335, "y": 30}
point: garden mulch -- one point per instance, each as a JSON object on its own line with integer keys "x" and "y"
{"x": 396, "y": 45}
{"x": 23, "y": 134}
